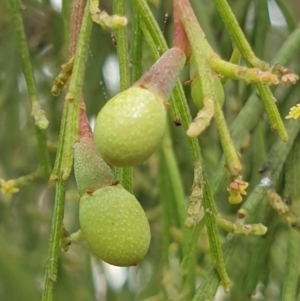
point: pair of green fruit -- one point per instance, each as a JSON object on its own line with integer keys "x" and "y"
{"x": 127, "y": 131}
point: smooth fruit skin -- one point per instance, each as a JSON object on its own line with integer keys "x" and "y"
{"x": 129, "y": 127}
{"x": 197, "y": 94}
{"x": 114, "y": 225}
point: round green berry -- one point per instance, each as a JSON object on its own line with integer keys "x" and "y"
{"x": 114, "y": 225}
{"x": 130, "y": 126}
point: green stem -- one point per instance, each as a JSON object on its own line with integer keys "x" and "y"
{"x": 245, "y": 282}
{"x": 45, "y": 163}
{"x": 171, "y": 190}
{"x": 124, "y": 175}
{"x": 137, "y": 46}
{"x": 249, "y": 75}
{"x": 292, "y": 191}
{"x": 241, "y": 229}
{"x": 189, "y": 261}
{"x": 156, "y": 54}
{"x": 199, "y": 47}
{"x": 195, "y": 218}
{"x": 195, "y": 151}
{"x": 274, "y": 165}
{"x": 270, "y": 177}
{"x": 192, "y": 245}
{"x": 180, "y": 114}
{"x": 38, "y": 114}
{"x": 269, "y": 102}
{"x": 253, "y": 109}
{"x": 258, "y": 152}
{"x": 64, "y": 158}
{"x": 41, "y": 122}
{"x": 25, "y": 180}
{"x": 231, "y": 158}
{"x": 122, "y": 46}
{"x": 175, "y": 180}
{"x": 59, "y": 154}
{"x": 56, "y": 229}
{"x": 173, "y": 201}
{"x": 179, "y": 98}
{"x": 202, "y": 13}
{"x": 12, "y": 186}
{"x": 154, "y": 38}
{"x": 213, "y": 236}
{"x": 290, "y": 285}
{"x": 237, "y": 36}
{"x": 157, "y": 44}
{"x": 150, "y": 23}
{"x": 235, "y": 58}
{"x": 165, "y": 196}
{"x": 240, "y": 41}
{"x": 70, "y": 119}
{"x": 261, "y": 27}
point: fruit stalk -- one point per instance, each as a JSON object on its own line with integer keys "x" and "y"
{"x": 180, "y": 39}
{"x": 85, "y": 130}
{"x": 161, "y": 77}
{"x": 130, "y": 126}
{"x": 91, "y": 172}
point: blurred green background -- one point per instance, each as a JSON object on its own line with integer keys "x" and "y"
{"x": 25, "y": 217}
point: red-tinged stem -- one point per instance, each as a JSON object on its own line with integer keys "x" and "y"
{"x": 85, "y": 130}
{"x": 193, "y": 30}
{"x": 180, "y": 39}
{"x": 161, "y": 77}
{"x": 76, "y": 20}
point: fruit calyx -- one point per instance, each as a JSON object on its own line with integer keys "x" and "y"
{"x": 91, "y": 171}
{"x": 161, "y": 77}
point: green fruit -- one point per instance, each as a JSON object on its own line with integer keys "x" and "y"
{"x": 197, "y": 93}
{"x": 129, "y": 127}
{"x": 114, "y": 225}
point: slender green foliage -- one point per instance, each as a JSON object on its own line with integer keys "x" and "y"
{"x": 124, "y": 175}
{"x": 38, "y": 114}
{"x": 199, "y": 240}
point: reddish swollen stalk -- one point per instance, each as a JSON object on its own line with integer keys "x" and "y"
{"x": 180, "y": 39}
{"x": 85, "y": 130}
{"x": 161, "y": 77}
